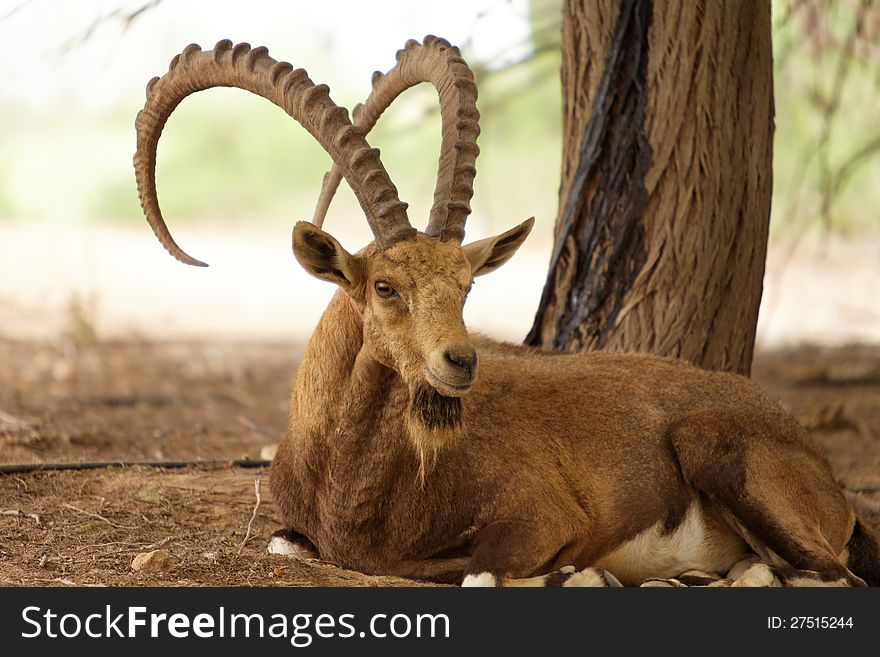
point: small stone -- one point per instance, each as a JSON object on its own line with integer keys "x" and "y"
{"x": 268, "y": 452}
{"x": 152, "y": 562}
{"x": 659, "y": 584}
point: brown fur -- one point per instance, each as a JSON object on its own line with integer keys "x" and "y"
{"x": 864, "y": 554}
{"x": 544, "y": 460}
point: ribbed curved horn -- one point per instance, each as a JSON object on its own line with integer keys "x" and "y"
{"x": 441, "y": 64}
{"x": 290, "y": 89}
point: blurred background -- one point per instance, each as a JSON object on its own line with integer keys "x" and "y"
{"x": 78, "y": 261}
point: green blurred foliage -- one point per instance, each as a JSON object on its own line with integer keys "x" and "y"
{"x": 223, "y": 154}
{"x": 7, "y": 209}
{"x": 827, "y": 86}
{"x": 7, "y": 204}
{"x": 228, "y": 155}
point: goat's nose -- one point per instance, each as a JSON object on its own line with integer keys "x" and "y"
{"x": 462, "y": 356}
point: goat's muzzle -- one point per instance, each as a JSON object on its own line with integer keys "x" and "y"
{"x": 452, "y": 369}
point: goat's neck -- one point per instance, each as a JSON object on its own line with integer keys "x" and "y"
{"x": 339, "y": 388}
{"x": 344, "y": 453}
{"x": 342, "y": 398}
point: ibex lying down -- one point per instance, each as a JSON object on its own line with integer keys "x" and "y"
{"x": 401, "y": 460}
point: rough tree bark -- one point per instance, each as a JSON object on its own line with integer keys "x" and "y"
{"x": 666, "y": 178}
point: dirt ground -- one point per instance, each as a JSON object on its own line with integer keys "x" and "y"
{"x": 99, "y": 401}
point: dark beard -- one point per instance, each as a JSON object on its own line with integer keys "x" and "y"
{"x": 434, "y": 410}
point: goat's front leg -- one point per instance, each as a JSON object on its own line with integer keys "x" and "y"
{"x": 508, "y": 553}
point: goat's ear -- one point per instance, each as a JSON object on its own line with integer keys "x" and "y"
{"x": 489, "y": 254}
{"x": 323, "y": 257}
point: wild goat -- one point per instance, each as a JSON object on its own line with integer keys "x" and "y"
{"x": 544, "y": 469}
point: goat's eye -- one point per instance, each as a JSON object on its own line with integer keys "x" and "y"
{"x": 384, "y": 290}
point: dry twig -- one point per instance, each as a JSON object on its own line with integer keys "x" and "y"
{"x": 98, "y": 516}
{"x": 247, "y": 535}
{"x": 21, "y": 514}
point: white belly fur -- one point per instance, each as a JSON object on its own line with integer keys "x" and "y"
{"x": 700, "y": 542}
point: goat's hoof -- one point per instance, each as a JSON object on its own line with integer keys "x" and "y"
{"x": 567, "y": 576}
{"x": 740, "y": 567}
{"x": 292, "y": 545}
{"x": 480, "y": 580}
{"x": 757, "y": 575}
{"x": 593, "y": 577}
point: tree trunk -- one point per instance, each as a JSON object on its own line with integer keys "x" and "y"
{"x": 666, "y": 178}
